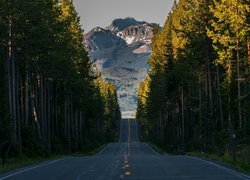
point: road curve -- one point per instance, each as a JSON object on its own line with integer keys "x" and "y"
{"x": 126, "y": 159}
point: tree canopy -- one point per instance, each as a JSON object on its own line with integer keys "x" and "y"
{"x": 52, "y": 99}
{"x": 196, "y": 97}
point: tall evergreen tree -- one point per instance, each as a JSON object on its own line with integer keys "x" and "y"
{"x": 200, "y": 62}
{"x": 50, "y": 82}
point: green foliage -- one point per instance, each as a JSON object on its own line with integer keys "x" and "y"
{"x": 242, "y": 163}
{"x": 56, "y": 104}
{"x": 30, "y": 145}
{"x": 4, "y": 113}
{"x": 197, "y": 93}
{"x": 111, "y": 110}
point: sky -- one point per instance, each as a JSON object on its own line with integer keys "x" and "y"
{"x": 101, "y": 13}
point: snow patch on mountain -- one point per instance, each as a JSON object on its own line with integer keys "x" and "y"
{"x": 120, "y": 53}
{"x": 129, "y": 39}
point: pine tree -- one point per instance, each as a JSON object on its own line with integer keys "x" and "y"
{"x": 49, "y": 81}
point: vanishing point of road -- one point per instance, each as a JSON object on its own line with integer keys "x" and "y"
{"x": 126, "y": 159}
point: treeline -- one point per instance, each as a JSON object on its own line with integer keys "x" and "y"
{"x": 196, "y": 97}
{"x": 51, "y": 98}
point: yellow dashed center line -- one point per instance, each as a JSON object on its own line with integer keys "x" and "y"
{"x": 127, "y": 173}
{"x": 126, "y": 166}
{"x": 128, "y": 137}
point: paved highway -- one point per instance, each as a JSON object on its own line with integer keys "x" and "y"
{"x": 126, "y": 159}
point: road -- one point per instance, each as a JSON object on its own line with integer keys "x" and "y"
{"x": 126, "y": 159}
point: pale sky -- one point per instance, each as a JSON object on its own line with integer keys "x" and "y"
{"x": 101, "y": 13}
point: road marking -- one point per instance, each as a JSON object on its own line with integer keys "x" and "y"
{"x": 100, "y": 152}
{"x": 152, "y": 149}
{"x": 233, "y": 172}
{"x": 85, "y": 172}
{"x": 126, "y": 166}
{"x": 120, "y": 138}
{"x": 128, "y": 137}
{"x": 127, "y": 173}
{"x": 35, "y": 167}
{"x": 136, "y": 130}
{"x": 122, "y": 176}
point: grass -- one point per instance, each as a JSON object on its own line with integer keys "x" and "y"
{"x": 23, "y": 161}
{"x": 90, "y": 153}
{"x": 238, "y": 164}
{"x": 156, "y": 148}
{"x": 242, "y": 162}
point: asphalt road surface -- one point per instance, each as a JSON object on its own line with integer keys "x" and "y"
{"x": 126, "y": 159}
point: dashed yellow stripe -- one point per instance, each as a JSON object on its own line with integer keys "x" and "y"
{"x": 126, "y": 166}
{"x": 127, "y": 173}
{"x": 128, "y": 137}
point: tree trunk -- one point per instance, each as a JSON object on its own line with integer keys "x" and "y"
{"x": 49, "y": 118}
{"x": 18, "y": 112}
{"x": 42, "y": 118}
{"x": 238, "y": 84}
{"x": 26, "y": 98}
{"x": 219, "y": 94}
{"x": 182, "y": 118}
{"x": 14, "y": 98}
{"x": 9, "y": 63}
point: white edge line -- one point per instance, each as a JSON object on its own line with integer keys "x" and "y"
{"x": 231, "y": 171}
{"x": 120, "y": 130}
{"x": 25, "y": 170}
{"x": 100, "y": 152}
{"x": 82, "y": 173}
{"x": 137, "y": 139}
{"x": 152, "y": 149}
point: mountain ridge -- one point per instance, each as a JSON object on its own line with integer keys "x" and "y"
{"x": 120, "y": 52}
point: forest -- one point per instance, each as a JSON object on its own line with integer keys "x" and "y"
{"x": 196, "y": 96}
{"x": 52, "y": 99}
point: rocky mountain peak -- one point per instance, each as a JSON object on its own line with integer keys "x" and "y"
{"x": 99, "y": 38}
{"x": 120, "y": 53}
{"x": 121, "y": 24}
{"x": 135, "y": 33}
{"x": 98, "y": 29}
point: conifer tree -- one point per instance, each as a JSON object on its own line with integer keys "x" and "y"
{"x": 52, "y": 103}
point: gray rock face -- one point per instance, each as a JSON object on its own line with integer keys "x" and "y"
{"x": 121, "y": 24}
{"x": 120, "y": 53}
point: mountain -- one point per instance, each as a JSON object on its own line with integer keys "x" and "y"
{"x": 120, "y": 52}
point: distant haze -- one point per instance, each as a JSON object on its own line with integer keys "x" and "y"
{"x": 95, "y": 13}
